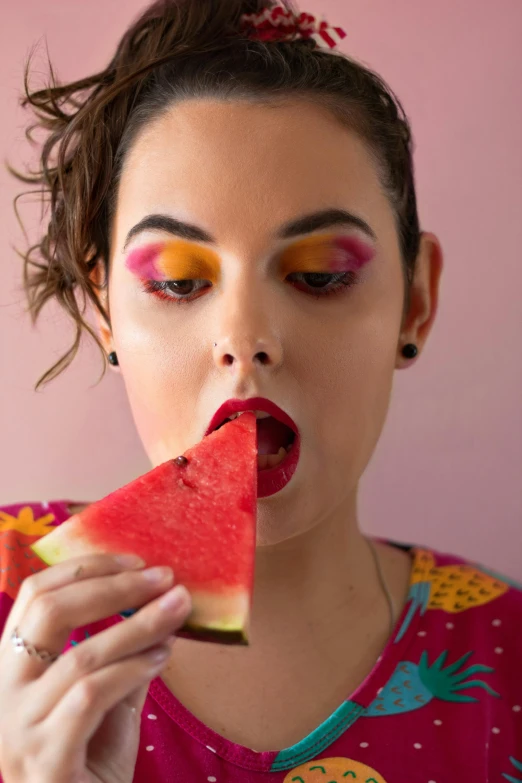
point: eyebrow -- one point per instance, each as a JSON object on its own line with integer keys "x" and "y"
{"x": 325, "y": 218}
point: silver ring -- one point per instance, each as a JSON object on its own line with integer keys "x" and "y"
{"x": 20, "y": 645}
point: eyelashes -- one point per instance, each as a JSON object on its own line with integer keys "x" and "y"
{"x": 318, "y": 266}
{"x": 315, "y": 284}
{"x": 179, "y": 295}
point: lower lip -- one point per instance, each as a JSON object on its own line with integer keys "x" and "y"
{"x": 273, "y": 480}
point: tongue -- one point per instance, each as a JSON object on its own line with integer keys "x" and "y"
{"x": 271, "y": 435}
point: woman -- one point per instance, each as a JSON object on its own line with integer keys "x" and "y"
{"x": 277, "y": 177}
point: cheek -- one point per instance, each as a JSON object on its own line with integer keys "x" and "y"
{"x": 347, "y": 370}
{"x": 161, "y": 367}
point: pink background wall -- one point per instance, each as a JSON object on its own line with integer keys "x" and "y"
{"x": 448, "y": 469}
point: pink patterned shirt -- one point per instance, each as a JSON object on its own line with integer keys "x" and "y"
{"x": 443, "y": 703}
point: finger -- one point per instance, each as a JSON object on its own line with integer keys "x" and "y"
{"x": 149, "y": 627}
{"x": 59, "y": 575}
{"x": 51, "y": 616}
{"x": 135, "y": 701}
{"x": 77, "y": 716}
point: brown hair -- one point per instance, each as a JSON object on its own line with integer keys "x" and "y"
{"x": 180, "y": 49}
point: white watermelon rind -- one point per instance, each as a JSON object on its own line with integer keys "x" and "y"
{"x": 214, "y": 615}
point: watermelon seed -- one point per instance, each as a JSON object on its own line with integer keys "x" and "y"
{"x": 181, "y": 461}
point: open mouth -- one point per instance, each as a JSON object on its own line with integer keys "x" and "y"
{"x": 274, "y": 439}
{"x": 278, "y": 441}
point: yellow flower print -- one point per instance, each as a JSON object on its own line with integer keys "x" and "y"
{"x": 17, "y": 560}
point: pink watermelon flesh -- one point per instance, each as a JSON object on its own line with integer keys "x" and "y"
{"x": 198, "y": 518}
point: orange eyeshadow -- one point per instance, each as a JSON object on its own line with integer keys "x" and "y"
{"x": 325, "y": 253}
{"x": 178, "y": 260}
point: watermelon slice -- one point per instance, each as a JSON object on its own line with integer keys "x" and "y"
{"x": 196, "y": 514}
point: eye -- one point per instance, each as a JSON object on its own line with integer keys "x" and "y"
{"x": 317, "y": 279}
{"x": 322, "y": 283}
{"x": 176, "y": 290}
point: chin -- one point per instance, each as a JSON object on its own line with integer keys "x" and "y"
{"x": 286, "y": 515}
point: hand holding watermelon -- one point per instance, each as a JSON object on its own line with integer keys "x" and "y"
{"x": 85, "y": 696}
{"x": 196, "y": 514}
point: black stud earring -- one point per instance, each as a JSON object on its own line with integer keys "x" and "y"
{"x": 113, "y": 359}
{"x": 409, "y": 351}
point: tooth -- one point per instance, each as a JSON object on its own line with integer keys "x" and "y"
{"x": 262, "y": 461}
{"x": 258, "y": 414}
{"x": 275, "y": 459}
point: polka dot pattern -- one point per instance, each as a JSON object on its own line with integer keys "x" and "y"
{"x": 434, "y": 632}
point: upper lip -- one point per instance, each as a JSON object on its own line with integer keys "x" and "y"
{"x": 253, "y": 404}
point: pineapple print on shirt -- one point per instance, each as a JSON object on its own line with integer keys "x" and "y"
{"x": 412, "y": 686}
{"x": 336, "y": 770}
{"x": 16, "y": 534}
{"x": 452, "y": 588}
{"x": 518, "y": 767}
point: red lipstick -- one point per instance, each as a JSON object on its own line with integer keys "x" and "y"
{"x": 269, "y": 480}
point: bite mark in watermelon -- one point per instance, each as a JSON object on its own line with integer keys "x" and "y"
{"x": 199, "y": 518}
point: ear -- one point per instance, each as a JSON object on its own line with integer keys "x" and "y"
{"x": 424, "y": 300}
{"x": 97, "y": 276}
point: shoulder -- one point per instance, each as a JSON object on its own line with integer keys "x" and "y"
{"x": 472, "y": 607}
{"x": 465, "y": 583}
{"x": 480, "y": 626}
{"x": 21, "y": 524}
{"x": 465, "y": 600}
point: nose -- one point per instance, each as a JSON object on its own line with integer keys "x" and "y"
{"x": 247, "y": 340}
{"x": 245, "y": 355}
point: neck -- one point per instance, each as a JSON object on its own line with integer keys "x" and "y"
{"x": 320, "y": 617}
{"x": 323, "y": 583}
{"x": 313, "y": 580}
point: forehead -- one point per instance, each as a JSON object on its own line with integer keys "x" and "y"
{"x": 233, "y": 164}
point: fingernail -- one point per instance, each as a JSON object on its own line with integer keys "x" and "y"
{"x": 158, "y": 574}
{"x": 175, "y": 599}
{"x": 130, "y": 561}
{"x": 159, "y": 654}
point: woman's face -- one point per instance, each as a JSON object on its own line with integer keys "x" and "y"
{"x": 253, "y": 323}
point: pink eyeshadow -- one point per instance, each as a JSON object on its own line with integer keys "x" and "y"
{"x": 142, "y": 262}
{"x": 358, "y": 252}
